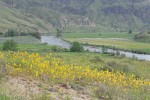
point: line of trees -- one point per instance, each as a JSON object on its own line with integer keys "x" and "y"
{"x": 12, "y": 33}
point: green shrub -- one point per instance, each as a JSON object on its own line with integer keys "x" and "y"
{"x": 104, "y": 50}
{"x": 76, "y": 47}
{"x": 55, "y": 49}
{"x": 1, "y": 33}
{"x": 9, "y": 45}
{"x": 96, "y": 59}
{"x": 36, "y": 35}
{"x": 58, "y": 49}
{"x": 59, "y": 32}
{"x": 144, "y": 37}
{"x": 104, "y": 92}
{"x": 10, "y": 33}
{"x": 130, "y": 32}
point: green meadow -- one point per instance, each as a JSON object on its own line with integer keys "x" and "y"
{"x": 116, "y": 40}
{"x": 100, "y": 35}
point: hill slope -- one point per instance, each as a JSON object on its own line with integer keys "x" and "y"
{"x": 13, "y": 19}
{"x": 120, "y": 15}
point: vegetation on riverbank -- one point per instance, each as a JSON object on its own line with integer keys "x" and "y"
{"x": 118, "y": 41}
{"x": 143, "y": 37}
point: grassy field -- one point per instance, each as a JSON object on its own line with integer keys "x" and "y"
{"x": 97, "y": 60}
{"x": 21, "y": 39}
{"x": 118, "y": 40}
{"x": 120, "y": 44}
{"x": 32, "y": 47}
{"x": 30, "y": 43}
{"x": 100, "y": 35}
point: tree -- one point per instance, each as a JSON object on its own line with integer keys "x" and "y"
{"x": 59, "y": 32}
{"x": 1, "y": 33}
{"x": 104, "y": 50}
{"x": 36, "y": 35}
{"x": 76, "y": 47}
{"x": 10, "y": 33}
{"x": 9, "y": 45}
{"x": 130, "y": 32}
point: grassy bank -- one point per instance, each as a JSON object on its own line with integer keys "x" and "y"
{"x": 122, "y": 41}
{"x": 127, "y": 45}
{"x": 21, "y": 39}
{"x": 100, "y": 35}
{"x": 96, "y": 60}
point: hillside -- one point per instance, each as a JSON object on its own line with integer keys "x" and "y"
{"x": 119, "y": 15}
{"x": 13, "y": 19}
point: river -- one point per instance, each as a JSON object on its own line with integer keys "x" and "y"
{"x": 53, "y": 40}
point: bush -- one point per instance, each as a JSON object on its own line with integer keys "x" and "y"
{"x": 130, "y": 32}
{"x": 55, "y": 49}
{"x": 36, "y": 35}
{"x": 144, "y": 37}
{"x": 1, "y": 33}
{"x": 76, "y": 47}
{"x": 10, "y": 45}
{"x": 104, "y": 92}
{"x": 104, "y": 50}
{"x": 10, "y": 33}
{"x": 96, "y": 59}
{"x": 59, "y": 32}
{"x": 118, "y": 53}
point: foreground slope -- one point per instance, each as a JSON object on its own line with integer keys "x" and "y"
{"x": 55, "y": 76}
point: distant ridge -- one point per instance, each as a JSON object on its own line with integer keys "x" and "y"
{"x": 94, "y": 15}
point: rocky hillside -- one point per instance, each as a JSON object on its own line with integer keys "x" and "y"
{"x": 14, "y": 19}
{"x": 120, "y": 15}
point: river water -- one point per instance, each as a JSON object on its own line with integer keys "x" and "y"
{"x": 53, "y": 40}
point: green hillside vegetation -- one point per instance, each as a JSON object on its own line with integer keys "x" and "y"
{"x": 21, "y": 39}
{"x": 13, "y": 19}
{"x": 134, "y": 42}
{"x": 142, "y": 37}
{"x": 107, "y": 15}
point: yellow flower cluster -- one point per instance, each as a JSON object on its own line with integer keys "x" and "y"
{"x": 37, "y": 66}
{"x": 1, "y": 55}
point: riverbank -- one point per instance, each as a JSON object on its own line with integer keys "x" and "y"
{"x": 53, "y": 40}
{"x": 123, "y": 45}
{"x": 112, "y": 40}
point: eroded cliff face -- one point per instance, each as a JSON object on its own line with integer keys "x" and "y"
{"x": 77, "y": 22}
